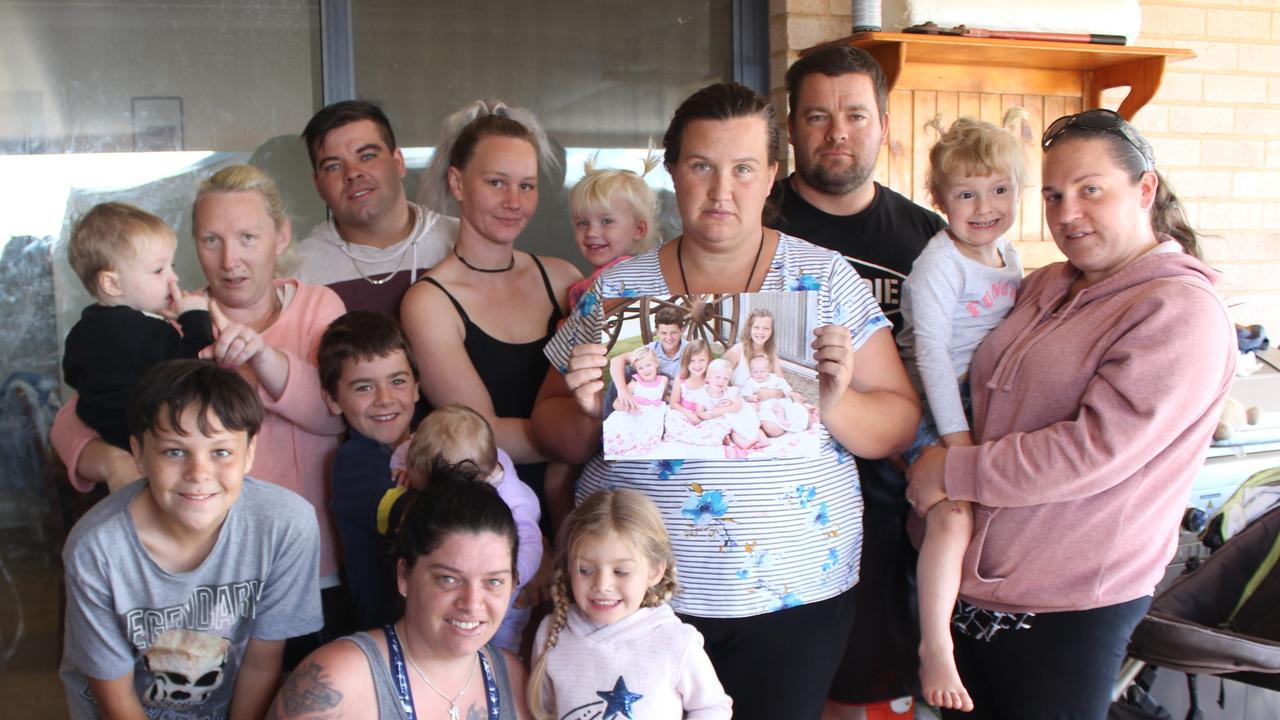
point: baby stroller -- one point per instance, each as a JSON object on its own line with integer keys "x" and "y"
{"x": 1223, "y": 618}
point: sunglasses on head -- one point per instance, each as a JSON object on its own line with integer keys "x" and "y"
{"x": 1098, "y": 120}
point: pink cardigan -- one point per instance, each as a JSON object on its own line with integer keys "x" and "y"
{"x": 1092, "y": 419}
{"x": 299, "y": 435}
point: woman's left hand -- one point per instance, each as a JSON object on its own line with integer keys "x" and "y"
{"x": 926, "y": 477}
{"x": 235, "y": 344}
{"x": 833, "y": 352}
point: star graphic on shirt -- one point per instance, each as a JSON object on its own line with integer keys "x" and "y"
{"x": 618, "y": 701}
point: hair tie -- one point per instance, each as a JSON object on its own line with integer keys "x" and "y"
{"x": 651, "y": 159}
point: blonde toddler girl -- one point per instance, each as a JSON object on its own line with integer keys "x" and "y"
{"x": 613, "y": 219}
{"x": 962, "y": 285}
{"x": 638, "y": 431}
{"x": 613, "y": 647}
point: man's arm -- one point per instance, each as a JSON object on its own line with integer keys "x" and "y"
{"x": 257, "y": 680}
{"x": 116, "y": 699}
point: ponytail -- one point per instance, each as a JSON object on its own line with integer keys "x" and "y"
{"x": 977, "y": 147}
{"x": 1168, "y": 218}
{"x": 463, "y": 130}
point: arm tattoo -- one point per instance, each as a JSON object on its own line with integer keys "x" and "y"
{"x": 307, "y": 691}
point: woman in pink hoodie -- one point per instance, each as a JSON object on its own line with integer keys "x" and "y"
{"x": 1093, "y": 404}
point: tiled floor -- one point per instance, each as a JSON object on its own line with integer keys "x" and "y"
{"x": 29, "y": 635}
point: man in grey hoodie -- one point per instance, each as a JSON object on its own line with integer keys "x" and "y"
{"x": 375, "y": 242}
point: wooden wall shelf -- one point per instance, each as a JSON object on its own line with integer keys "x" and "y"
{"x": 986, "y": 65}
{"x": 945, "y": 77}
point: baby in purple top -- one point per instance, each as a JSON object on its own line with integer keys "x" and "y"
{"x": 455, "y": 434}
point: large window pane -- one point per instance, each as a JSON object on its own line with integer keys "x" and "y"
{"x": 601, "y": 75}
{"x": 130, "y": 100}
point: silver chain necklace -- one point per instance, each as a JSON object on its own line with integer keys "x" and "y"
{"x": 345, "y": 246}
{"x": 382, "y": 280}
{"x": 453, "y": 704}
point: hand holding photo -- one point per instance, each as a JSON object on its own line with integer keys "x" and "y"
{"x": 711, "y": 377}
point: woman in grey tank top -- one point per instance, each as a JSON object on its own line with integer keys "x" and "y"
{"x": 455, "y": 568}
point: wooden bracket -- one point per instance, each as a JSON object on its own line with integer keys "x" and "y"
{"x": 1141, "y": 76}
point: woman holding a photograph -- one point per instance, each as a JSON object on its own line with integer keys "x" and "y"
{"x": 768, "y": 550}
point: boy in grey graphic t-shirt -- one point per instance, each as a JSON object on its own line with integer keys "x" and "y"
{"x": 182, "y": 587}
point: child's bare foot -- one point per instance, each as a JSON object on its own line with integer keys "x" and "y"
{"x": 940, "y": 681}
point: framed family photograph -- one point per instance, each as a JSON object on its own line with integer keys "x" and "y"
{"x": 711, "y": 376}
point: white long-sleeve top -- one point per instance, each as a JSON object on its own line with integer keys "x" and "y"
{"x": 949, "y": 303}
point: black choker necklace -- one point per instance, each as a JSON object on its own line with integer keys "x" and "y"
{"x": 484, "y": 270}
{"x": 680, "y": 262}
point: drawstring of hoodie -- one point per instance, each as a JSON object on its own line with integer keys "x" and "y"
{"x": 1155, "y": 263}
{"x": 413, "y": 269}
{"x": 411, "y": 244}
{"x": 1010, "y": 363}
{"x": 428, "y": 222}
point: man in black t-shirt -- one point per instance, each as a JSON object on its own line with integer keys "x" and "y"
{"x": 837, "y": 123}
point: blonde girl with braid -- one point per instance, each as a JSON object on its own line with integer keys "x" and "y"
{"x": 613, "y": 646}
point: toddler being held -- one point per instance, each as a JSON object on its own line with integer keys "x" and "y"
{"x": 962, "y": 285}
{"x": 613, "y": 219}
{"x": 457, "y": 435}
{"x": 124, "y": 257}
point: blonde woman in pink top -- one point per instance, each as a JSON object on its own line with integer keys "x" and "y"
{"x": 268, "y": 329}
{"x": 1093, "y": 403}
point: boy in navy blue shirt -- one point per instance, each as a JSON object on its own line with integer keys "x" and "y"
{"x": 369, "y": 377}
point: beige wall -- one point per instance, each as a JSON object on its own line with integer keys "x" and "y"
{"x": 1215, "y": 125}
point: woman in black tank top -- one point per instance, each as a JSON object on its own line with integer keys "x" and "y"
{"x": 479, "y": 319}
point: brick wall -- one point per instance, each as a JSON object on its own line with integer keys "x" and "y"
{"x": 1215, "y": 125}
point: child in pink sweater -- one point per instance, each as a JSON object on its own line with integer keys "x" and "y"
{"x": 613, "y": 641}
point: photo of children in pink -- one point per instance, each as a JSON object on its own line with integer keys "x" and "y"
{"x": 683, "y": 420}
{"x": 717, "y": 400}
{"x": 637, "y": 431}
{"x": 739, "y": 392}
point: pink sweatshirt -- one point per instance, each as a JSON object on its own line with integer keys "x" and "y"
{"x": 1091, "y": 420}
{"x": 299, "y": 435}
